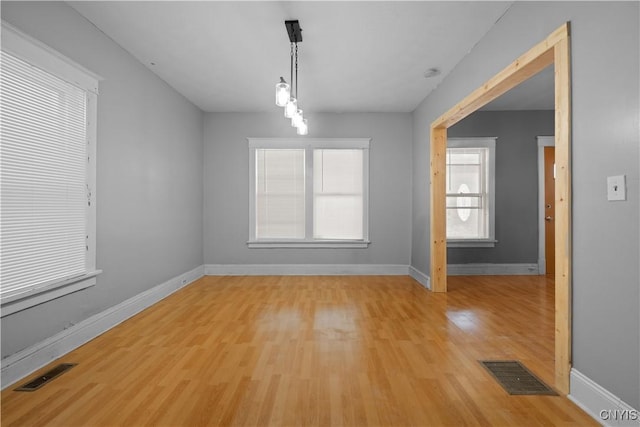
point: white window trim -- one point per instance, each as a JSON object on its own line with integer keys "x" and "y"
{"x": 307, "y": 144}
{"x": 20, "y": 301}
{"x": 44, "y": 57}
{"x": 490, "y": 143}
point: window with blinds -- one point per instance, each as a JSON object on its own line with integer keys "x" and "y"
{"x": 309, "y": 192}
{"x": 338, "y": 200}
{"x": 280, "y": 194}
{"x": 45, "y": 177}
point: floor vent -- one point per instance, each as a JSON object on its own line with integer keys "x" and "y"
{"x": 46, "y": 377}
{"x": 516, "y": 379}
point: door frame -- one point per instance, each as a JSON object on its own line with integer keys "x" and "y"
{"x": 543, "y": 141}
{"x": 555, "y": 49}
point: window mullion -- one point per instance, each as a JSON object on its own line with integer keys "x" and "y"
{"x": 308, "y": 194}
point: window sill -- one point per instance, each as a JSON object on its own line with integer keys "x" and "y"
{"x": 471, "y": 243}
{"x": 316, "y": 244}
{"x": 21, "y": 301}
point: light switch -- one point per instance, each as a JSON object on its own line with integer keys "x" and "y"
{"x": 616, "y": 188}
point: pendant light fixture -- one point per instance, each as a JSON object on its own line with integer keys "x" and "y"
{"x": 285, "y": 95}
{"x": 283, "y": 92}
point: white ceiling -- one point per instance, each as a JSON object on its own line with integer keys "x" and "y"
{"x": 536, "y": 93}
{"x": 355, "y": 56}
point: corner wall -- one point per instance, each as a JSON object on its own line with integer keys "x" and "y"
{"x": 149, "y": 176}
{"x": 605, "y": 141}
{"x": 226, "y": 187}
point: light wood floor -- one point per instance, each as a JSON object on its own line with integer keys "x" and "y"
{"x": 295, "y": 351}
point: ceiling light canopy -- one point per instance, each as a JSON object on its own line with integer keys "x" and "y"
{"x": 431, "y": 72}
{"x": 286, "y": 96}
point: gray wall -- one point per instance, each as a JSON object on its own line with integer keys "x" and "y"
{"x": 149, "y": 175}
{"x": 516, "y": 183}
{"x": 605, "y": 69}
{"x": 226, "y": 187}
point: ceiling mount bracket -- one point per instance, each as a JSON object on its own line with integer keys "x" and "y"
{"x": 294, "y": 31}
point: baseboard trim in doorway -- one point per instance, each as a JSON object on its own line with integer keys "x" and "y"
{"x": 420, "y": 277}
{"x": 492, "y": 269}
{"x": 25, "y": 362}
{"x": 600, "y": 403}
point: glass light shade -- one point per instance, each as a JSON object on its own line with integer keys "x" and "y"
{"x": 291, "y": 108}
{"x": 296, "y": 120}
{"x": 303, "y": 129}
{"x": 283, "y": 93}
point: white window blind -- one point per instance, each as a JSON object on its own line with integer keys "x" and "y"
{"x": 338, "y": 194}
{"x": 43, "y": 175}
{"x": 280, "y": 196}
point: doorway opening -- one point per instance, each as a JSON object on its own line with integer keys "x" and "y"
{"x": 546, "y": 205}
{"x": 553, "y": 50}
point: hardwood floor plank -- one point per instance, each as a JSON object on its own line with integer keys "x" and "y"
{"x": 312, "y": 351}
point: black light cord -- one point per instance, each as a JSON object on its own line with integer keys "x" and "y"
{"x": 291, "y": 71}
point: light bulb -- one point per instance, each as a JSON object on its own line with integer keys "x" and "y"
{"x": 283, "y": 93}
{"x": 296, "y": 119}
{"x": 291, "y": 108}
{"x": 303, "y": 129}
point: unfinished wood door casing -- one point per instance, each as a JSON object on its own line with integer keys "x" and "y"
{"x": 554, "y": 50}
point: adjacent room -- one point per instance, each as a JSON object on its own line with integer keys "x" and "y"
{"x": 435, "y": 221}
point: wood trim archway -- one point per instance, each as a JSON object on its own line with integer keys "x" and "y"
{"x": 553, "y": 50}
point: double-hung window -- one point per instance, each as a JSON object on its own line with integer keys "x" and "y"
{"x": 47, "y": 173}
{"x": 308, "y": 192}
{"x": 470, "y": 186}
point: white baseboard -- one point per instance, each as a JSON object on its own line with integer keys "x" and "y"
{"x": 420, "y": 277}
{"x": 317, "y": 270}
{"x": 602, "y": 405}
{"x": 25, "y": 362}
{"x": 305, "y": 270}
{"x": 492, "y": 269}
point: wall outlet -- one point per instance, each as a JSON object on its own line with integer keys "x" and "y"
{"x": 616, "y": 188}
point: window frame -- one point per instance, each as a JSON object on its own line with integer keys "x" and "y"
{"x": 308, "y": 144}
{"x": 479, "y": 142}
{"x": 40, "y": 55}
